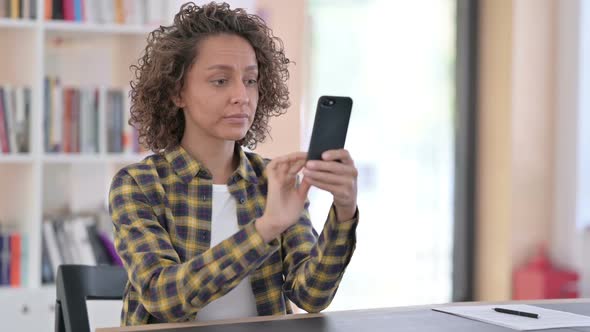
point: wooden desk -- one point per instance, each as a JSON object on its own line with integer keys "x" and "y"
{"x": 415, "y": 319}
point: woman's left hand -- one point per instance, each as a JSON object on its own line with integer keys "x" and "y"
{"x": 338, "y": 178}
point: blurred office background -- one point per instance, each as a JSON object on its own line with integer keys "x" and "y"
{"x": 470, "y": 130}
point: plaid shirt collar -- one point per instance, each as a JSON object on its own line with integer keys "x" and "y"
{"x": 186, "y": 167}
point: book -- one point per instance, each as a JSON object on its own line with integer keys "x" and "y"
{"x": 14, "y": 277}
{"x": 48, "y": 5}
{"x": 57, "y": 10}
{"x": 81, "y": 241}
{"x": 4, "y": 259}
{"x": 47, "y": 274}
{"x": 9, "y": 113}
{"x": 51, "y": 242}
{"x": 75, "y": 239}
{"x": 68, "y": 10}
{"x": 33, "y": 9}
{"x": 24, "y": 122}
{"x": 14, "y": 9}
{"x": 110, "y": 247}
{"x": 24, "y": 259}
{"x": 4, "y": 147}
{"x": 100, "y": 252}
{"x": 3, "y": 8}
{"x": 78, "y": 10}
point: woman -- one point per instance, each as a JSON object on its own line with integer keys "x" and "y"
{"x": 206, "y": 230}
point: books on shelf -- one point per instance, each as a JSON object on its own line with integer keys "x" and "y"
{"x": 15, "y": 115}
{"x": 121, "y": 137}
{"x": 18, "y": 9}
{"x": 76, "y": 239}
{"x": 72, "y": 119}
{"x": 129, "y": 12}
{"x": 13, "y": 257}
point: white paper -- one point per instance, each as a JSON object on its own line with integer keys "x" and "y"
{"x": 548, "y": 318}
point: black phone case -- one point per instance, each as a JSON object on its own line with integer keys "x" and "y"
{"x": 330, "y": 125}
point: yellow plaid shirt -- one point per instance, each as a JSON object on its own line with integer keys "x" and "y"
{"x": 161, "y": 210}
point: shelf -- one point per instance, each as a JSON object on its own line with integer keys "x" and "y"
{"x": 48, "y": 289}
{"x": 15, "y": 158}
{"x": 94, "y": 28}
{"x": 126, "y": 158}
{"x": 61, "y": 158}
{"x": 57, "y": 26}
{"x": 5, "y": 288}
{"x": 17, "y": 24}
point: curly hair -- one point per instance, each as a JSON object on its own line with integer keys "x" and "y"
{"x": 171, "y": 50}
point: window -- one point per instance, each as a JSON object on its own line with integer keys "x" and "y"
{"x": 396, "y": 59}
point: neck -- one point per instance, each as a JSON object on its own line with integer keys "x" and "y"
{"x": 215, "y": 155}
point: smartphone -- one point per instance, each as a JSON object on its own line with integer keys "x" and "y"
{"x": 329, "y": 126}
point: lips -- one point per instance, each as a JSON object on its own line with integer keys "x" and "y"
{"x": 237, "y": 116}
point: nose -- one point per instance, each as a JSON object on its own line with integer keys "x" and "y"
{"x": 240, "y": 94}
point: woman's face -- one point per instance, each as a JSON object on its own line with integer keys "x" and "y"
{"x": 220, "y": 92}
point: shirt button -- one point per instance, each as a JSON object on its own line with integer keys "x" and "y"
{"x": 242, "y": 200}
{"x": 204, "y": 198}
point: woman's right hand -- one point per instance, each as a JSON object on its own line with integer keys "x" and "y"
{"x": 285, "y": 199}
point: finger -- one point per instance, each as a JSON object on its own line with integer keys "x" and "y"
{"x": 287, "y": 159}
{"x": 282, "y": 168}
{"x": 303, "y": 189}
{"x": 332, "y": 188}
{"x": 296, "y": 167}
{"x": 332, "y": 167}
{"x": 290, "y": 158}
{"x": 275, "y": 162}
{"x": 325, "y": 177}
{"x": 296, "y": 156}
{"x": 342, "y": 155}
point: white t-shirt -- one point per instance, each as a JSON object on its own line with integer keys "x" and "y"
{"x": 240, "y": 301}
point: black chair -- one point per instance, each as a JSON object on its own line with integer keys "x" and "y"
{"x": 78, "y": 283}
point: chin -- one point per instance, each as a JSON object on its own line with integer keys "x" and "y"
{"x": 235, "y": 135}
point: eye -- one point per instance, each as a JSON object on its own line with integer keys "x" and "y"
{"x": 251, "y": 82}
{"x": 219, "y": 82}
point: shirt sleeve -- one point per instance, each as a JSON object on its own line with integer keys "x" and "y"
{"x": 313, "y": 266}
{"x": 169, "y": 289}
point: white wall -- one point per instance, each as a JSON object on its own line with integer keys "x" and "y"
{"x": 516, "y": 133}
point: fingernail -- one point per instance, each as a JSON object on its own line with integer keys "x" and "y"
{"x": 325, "y": 155}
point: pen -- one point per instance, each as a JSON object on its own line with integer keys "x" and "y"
{"x": 515, "y": 312}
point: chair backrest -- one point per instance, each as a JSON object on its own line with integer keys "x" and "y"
{"x": 77, "y": 283}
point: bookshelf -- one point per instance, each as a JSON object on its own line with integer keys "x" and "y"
{"x": 27, "y": 187}
{"x": 80, "y": 54}
{"x": 95, "y": 28}
{"x": 17, "y": 23}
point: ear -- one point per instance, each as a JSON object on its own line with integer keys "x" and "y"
{"x": 177, "y": 98}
